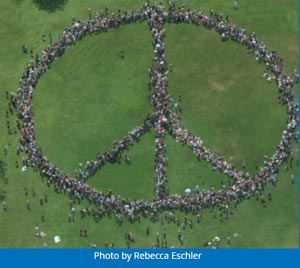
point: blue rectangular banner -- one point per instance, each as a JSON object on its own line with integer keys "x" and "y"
{"x": 148, "y": 258}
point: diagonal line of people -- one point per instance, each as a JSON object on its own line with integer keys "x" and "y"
{"x": 164, "y": 119}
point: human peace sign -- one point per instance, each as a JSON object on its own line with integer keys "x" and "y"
{"x": 164, "y": 120}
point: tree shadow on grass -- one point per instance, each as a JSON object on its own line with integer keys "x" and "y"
{"x": 18, "y": 2}
{"x": 2, "y": 195}
{"x": 50, "y": 5}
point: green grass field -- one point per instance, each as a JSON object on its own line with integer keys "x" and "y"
{"x": 91, "y": 97}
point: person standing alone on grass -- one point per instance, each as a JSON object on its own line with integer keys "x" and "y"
{"x": 28, "y": 204}
{"x": 5, "y": 206}
{"x": 122, "y": 54}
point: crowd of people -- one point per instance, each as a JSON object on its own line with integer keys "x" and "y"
{"x": 164, "y": 119}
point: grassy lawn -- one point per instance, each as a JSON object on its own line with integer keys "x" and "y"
{"x": 91, "y": 97}
{"x": 224, "y": 97}
{"x": 109, "y": 100}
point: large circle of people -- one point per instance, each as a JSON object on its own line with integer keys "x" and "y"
{"x": 164, "y": 119}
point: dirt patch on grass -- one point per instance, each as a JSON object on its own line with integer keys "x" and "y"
{"x": 219, "y": 84}
{"x": 292, "y": 48}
